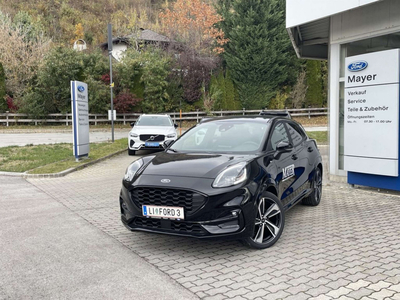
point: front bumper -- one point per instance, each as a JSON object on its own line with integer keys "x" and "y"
{"x": 137, "y": 144}
{"x": 228, "y": 215}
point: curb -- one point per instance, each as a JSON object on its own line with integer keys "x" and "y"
{"x": 62, "y": 173}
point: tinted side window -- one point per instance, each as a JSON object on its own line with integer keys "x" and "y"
{"x": 296, "y": 134}
{"x": 278, "y": 135}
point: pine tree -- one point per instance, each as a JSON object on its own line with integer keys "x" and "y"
{"x": 221, "y": 86}
{"x": 258, "y": 54}
{"x": 314, "y": 95}
{"x": 230, "y": 93}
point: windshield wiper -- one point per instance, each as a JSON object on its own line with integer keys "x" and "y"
{"x": 173, "y": 150}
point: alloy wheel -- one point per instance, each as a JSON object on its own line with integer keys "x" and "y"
{"x": 268, "y": 221}
{"x": 318, "y": 185}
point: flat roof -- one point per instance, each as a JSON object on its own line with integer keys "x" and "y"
{"x": 300, "y": 12}
{"x": 308, "y": 24}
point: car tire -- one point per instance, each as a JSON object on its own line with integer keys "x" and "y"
{"x": 315, "y": 197}
{"x": 269, "y": 227}
{"x": 131, "y": 152}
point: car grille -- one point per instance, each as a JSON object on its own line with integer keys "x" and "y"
{"x": 175, "y": 226}
{"x": 189, "y": 200}
{"x": 147, "y": 138}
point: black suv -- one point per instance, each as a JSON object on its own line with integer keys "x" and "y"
{"x": 226, "y": 177}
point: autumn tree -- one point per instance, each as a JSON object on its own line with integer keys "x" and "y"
{"x": 79, "y": 32}
{"x": 193, "y": 23}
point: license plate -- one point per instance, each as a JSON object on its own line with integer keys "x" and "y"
{"x": 163, "y": 212}
{"x": 151, "y": 144}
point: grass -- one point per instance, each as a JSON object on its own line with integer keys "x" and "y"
{"x": 320, "y": 136}
{"x": 46, "y": 159}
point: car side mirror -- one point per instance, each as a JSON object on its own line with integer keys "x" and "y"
{"x": 132, "y": 124}
{"x": 176, "y": 125}
{"x": 282, "y": 147}
{"x": 168, "y": 143}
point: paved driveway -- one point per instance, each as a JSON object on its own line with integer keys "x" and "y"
{"x": 48, "y": 251}
{"x": 346, "y": 248}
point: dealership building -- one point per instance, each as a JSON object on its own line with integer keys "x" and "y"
{"x": 360, "y": 39}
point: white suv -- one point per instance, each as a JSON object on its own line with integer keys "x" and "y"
{"x": 150, "y": 132}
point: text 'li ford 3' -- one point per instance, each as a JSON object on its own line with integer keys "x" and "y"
{"x": 227, "y": 177}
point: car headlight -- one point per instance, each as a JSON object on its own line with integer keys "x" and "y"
{"x": 132, "y": 169}
{"x": 171, "y": 135}
{"x": 231, "y": 176}
{"x": 134, "y": 135}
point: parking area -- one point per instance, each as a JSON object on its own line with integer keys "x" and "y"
{"x": 346, "y": 248}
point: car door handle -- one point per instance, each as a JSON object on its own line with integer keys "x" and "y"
{"x": 294, "y": 156}
{"x": 310, "y": 149}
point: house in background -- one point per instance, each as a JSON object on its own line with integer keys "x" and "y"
{"x": 144, "y": 37}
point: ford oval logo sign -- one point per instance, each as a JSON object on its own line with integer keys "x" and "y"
{"x": 165, "y": 180}
{"x": 81, "y": 88}
{"x": 357, "y": 66}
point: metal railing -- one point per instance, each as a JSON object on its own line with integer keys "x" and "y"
{"x": 95, "y": 119}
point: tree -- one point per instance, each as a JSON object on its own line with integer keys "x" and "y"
{"x": 314, "y": 95}
{"x": 299, "y": 91}
{"x": 25, "y": 23}
{"x": 52, "y": 93}
{"x": 193, "y": 23}
{"x": 79, "y": 32}
{"x": 259, "y": 54}
{"x": 3, "y": 103}
{"x": 153, "y": 67}
{"x": 20, "y": 53}
{"x": 156, "y": 68}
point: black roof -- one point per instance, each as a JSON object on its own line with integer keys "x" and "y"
{"x": 274, "y": 113}
{"x": 255, "y": 118}
{"x": 143, "y": 35}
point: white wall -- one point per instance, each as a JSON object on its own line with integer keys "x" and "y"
{"x": 303, "y": 11}
{"x": 118, "y": 51}
{"x": 373, "y": 20}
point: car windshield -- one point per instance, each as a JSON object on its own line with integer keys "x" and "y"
{"x": 154, "y": 121}
{"x": 223, "y": 136}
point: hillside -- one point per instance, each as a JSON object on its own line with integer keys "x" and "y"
{"x": 59, "y": 19}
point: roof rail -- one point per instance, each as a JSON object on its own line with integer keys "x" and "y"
{"x": 274, "y": 113}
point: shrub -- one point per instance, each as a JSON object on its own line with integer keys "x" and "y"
{"x": 11, "y": 104}
{"x": 125, "y": 102}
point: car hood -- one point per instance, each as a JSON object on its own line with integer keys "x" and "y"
{"x": 191, "y": 165}
{"x": 153, "y": 130}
